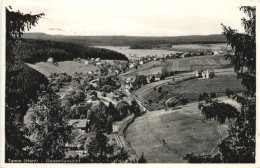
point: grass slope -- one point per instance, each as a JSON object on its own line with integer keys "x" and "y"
{"x": 184, "y": 131}
{"x": 63, "y": 67}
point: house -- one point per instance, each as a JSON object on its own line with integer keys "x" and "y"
{"x": 117, "y": 72}
{"x": 92, "y": 59}
{"x": 158, "y": 77}
{"x": 80, "y": 124}
{"x": 209, "y": 73}
{"x": 216, "y": 53}
{"x": 86, "y": 63}
{"x": 141, "y": 63}
{"x": 93, "y": 98}
{"x": 77, "y": 60}
{"x": 98, "y": 64}
{"x": 90, "y": 72}
{"x": 131, "y": 66}
{"x": 97, "y": 60}
{"x": 128, "y": 80}
{"x": 198, "y": 73}
{"x": 50, "y": 60}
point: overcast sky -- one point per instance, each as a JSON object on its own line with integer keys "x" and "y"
{"x": 131, "y": 17}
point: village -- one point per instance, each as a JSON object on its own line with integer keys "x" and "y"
{"x": 107, "y": 86}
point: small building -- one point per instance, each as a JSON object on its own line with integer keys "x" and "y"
{"x": 86, "y": 63}
{"x": 77, "y": 60}
{"x": 80, "y": 124}
{"x": 92, "y": 59}
{"x": 216, "y": 53}
{"x": 131, "y": 66}
{"x": 93, "y": 97}
{"x": 90, "y": 72}
{"x": 97, "y": 60}
{"x": 141, "y": 63}
{"x": 158, "y": 77}
{"x": 50, "y": 60}
{"x": 117, "y": 72}
{"x": 198, "y": 73}
{"x": 98, "y": 64}
{"x": 209, "y": 73}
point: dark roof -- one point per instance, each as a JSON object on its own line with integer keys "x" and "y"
{"x": 158, "y": 75}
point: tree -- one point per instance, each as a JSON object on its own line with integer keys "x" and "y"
{"x": 213, "y": 95}
{"x": 48, "y": 127}
{"x": 239, "y": 145}
{"x": 142, "y": 159}
{"x": 160, "y": 90}
{"x": 18, "y": 94}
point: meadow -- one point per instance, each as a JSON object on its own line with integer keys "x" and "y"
{"x": 67, "y": 67}
{"x": 190, "y": 89}
{"x": 167, "y": 136}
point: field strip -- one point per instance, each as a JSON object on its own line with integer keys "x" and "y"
{"x": 208, "y": 62}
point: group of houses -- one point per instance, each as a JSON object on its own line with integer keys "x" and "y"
{"x": 205, "y": 74}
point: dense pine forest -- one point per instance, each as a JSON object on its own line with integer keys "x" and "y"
{"x": 32, "y": 51}
{"x": 128, "y": 40}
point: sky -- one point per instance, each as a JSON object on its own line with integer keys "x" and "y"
{"x": 131, "y": 17}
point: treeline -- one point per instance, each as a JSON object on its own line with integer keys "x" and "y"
{"x": 32, "y": 51}
{"x": 128, "y": 40}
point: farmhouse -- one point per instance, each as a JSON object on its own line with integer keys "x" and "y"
{"x": 50, "y": 60}
{"x": 209, "y": 73}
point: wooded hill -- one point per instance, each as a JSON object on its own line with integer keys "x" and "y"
{"x": 128, "y": 40}
{"x": 31, "y": 51}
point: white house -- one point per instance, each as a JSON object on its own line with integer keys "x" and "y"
{"x": 198, "y": 73}
{"x": 97, "y": 60}
{"x": 216, "y": 53}
{"x": 98, "y": 64}
{"x": 158, "y": 77}
{"x": 50, "y": 60}
{"x": 141, "y": 63}
{"x": 209, "y": 73}
{"x": 86, "y": 63}
{"x": 131, "y": 66}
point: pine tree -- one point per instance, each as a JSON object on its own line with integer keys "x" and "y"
{"x": 239, "y": 146}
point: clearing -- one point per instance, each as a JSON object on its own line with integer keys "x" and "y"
{"x": 67, "y": 67}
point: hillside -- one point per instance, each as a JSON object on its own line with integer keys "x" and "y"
{"x": 128, "y": 40}
{"x": 32, "y": 51}
{"x": 67, "y": 67}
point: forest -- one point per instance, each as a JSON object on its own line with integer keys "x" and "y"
{"x": 128, "y": 40}
{"x": 32, "y": 51}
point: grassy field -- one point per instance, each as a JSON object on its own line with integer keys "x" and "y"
{"x": 225, "y": 79}
{"x": 198, "y": 63}
{"x": 63, "y": 67}
{"x": 184, "y": 131}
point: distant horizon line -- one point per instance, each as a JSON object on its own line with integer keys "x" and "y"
{"x": 118, "y": 35}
